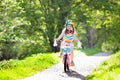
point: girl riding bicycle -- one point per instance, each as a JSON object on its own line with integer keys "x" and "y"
{"x": 69, "y": 37}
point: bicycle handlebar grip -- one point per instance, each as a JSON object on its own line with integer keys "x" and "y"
{"x": 55, "y": 43}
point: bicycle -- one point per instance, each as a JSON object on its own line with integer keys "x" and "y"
{"x": 66, "y": 57}
{"x": 65, "y": 49}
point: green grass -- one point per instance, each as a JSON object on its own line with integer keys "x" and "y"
{"x": 90, "y": 51}
{"x": 108, "y": 70}
{"x": 17, "y": 69}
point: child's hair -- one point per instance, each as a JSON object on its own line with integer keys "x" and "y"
{"x": 71, "y": 31}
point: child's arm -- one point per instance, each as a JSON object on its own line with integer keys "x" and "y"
{"x": 75, "y": 38}
{"x": 61, "y": 35}
{"x": 79, "y": 44}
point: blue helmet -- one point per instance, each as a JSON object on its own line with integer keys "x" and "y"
{"x": 68, "y": 22}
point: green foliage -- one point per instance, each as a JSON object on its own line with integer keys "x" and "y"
{"x": 90, "y": 51}
{"x": 108, "y": 70}
{"x": 20, "y": 31}
{"x": 30, "y": 65}
{"x": 28, "y": 48}
{"x": 107, "y": 46}
{"x": 7, "y": 64}
{"x": 36, "y": 23}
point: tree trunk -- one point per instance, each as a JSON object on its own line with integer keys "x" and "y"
{"x": 90, "y": 37}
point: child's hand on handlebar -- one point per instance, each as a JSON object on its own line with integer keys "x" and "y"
{"x": 55, "y": 43}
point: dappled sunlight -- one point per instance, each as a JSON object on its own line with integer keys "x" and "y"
{"x": 28, "y": 29}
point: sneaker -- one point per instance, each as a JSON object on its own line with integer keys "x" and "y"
{"x": 72, "y": 63}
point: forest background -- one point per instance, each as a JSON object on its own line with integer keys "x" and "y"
{"x": 30, "y": 26}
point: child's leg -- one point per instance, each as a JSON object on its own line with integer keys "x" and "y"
{"x": 72, "y": 58}
{"x": 72, "y": 55}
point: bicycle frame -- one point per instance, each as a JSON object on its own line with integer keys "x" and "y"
{"x": 65, "y": 48}
{"x": 66, "y": 56}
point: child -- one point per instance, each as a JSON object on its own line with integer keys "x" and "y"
{"x": 68, "y": 35}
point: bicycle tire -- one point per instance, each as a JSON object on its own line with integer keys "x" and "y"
{"x": 67, "y": 66}
{"x": 65, "y": 63}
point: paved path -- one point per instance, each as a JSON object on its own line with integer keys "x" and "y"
{"x": 83, "y": 66}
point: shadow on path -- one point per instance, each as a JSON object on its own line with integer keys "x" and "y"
{"x": 75, "y": 74}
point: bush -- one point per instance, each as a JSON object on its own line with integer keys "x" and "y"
{"x": 20, "y": 50}
{"x": 7, "y": 64}
{"x": 7, "y": 50}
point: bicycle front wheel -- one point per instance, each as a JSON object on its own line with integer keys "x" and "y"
{"x": 66, "y": 66}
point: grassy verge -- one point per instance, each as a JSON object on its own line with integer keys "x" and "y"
{"x": 108, "y": 70}
{"x": 90, "y": 51}
{"x": 17, "y": 69}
